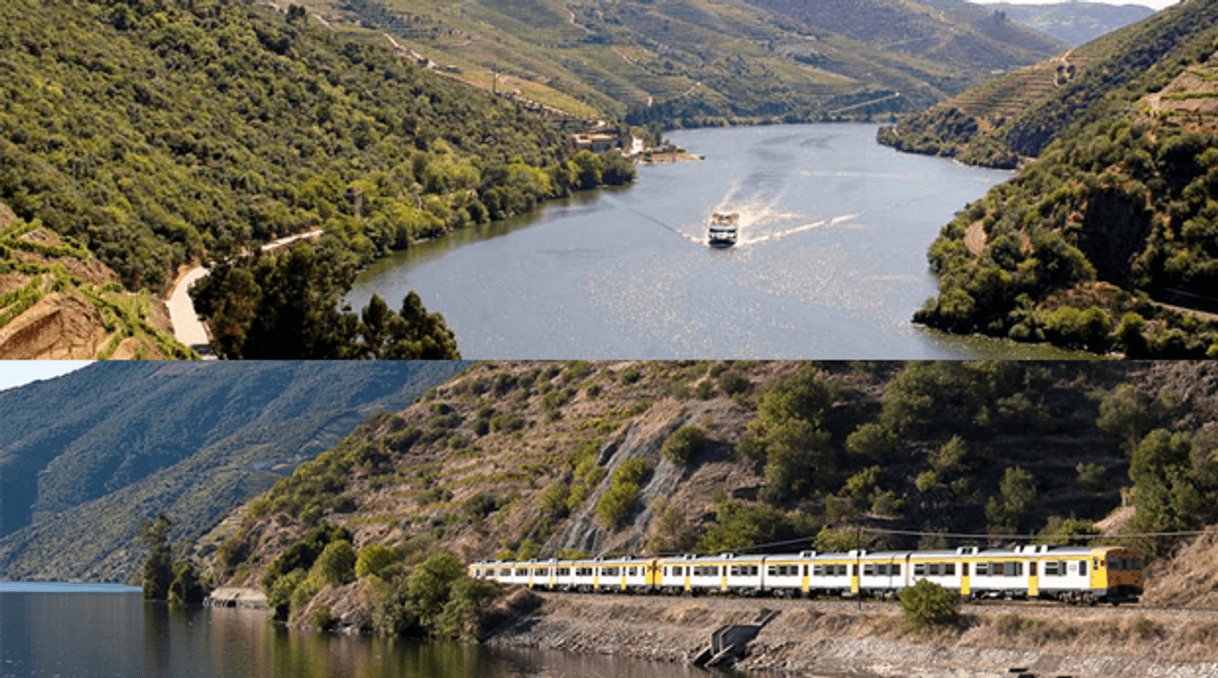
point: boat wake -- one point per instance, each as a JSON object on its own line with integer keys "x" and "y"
{"x": 762, "y": 221}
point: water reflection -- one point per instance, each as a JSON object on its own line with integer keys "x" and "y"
{"x": 88, "y": 634}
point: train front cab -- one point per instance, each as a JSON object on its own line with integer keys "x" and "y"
{"x": 1116, "y": 574}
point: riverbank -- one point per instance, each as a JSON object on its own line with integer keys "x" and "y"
{"x": 847, "y": 639}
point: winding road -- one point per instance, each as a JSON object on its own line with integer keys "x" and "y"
{"x": 187, "y": 328}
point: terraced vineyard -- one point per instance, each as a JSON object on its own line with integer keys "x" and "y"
{"x": 679, "y": 60}
{"x": 1017, "y": 115}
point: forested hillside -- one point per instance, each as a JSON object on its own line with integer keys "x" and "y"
{"x": 523, "y": 460}
{"x": 154, "y": 132}
{"x": 1019, "y": 114}
{"x": 87, "y": 456}
{"x": 1108, "y": 240}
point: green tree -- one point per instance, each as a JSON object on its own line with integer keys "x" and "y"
{"x": 872, "y": 441}
{"x": 186, "y": 588}
{"x": 1173, "y": 480}
{"x": 372, "y": 559}
{"x": 926, "y": 605}
{"x": 158, "y": 568}
{"x": 798, "y": 457}
{"x": 429, "y": 586}
{"x": 1018, "y": 502}
{"x": 336, "y": 563}
{"x": 684, "y": 444}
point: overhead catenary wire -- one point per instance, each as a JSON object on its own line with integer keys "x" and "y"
{"x": 958, "y": 535}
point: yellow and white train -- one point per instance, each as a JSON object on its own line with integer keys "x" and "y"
{"x": 1094, "y": 574}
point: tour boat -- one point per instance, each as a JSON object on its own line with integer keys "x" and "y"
{"x": 722, "y": 229}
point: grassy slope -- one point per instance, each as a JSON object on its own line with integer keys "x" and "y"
{"x": 622, "y": 56}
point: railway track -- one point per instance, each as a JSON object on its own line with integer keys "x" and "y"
{"x": 844, "y": 605}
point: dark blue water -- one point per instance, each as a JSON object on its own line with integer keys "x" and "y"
{"x": 831, "y": 262}
{"x": 68, "y": 631}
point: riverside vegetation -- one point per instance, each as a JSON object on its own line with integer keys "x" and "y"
{"x": 1100, "y": 241}
{"x": 523, "y": 460}
{"x": 153, "y": 133}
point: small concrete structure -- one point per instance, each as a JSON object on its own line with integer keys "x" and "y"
{"x": 234, "y": 596}
{"x": 728, "y": 642}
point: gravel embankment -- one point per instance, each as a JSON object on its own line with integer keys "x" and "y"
{"x": 842, "y": 638}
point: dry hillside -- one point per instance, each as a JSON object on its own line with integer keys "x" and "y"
{"x": 522, "y": 458}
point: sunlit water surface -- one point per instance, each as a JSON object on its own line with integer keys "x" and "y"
{"x": 831, "y": 261}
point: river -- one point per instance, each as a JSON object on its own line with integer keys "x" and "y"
{"x": 831, "y": 262}
{"x": 71, "y": 630}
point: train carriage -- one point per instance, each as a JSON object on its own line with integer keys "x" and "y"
{"x": 881, "y": 573}
{"x": 787, "y": 575}
{"x": 1070, "y": 573}
{"x": 832, "y": 574}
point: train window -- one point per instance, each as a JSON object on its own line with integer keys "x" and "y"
{"x": 505, "y": 572}
{"x": 882, "y": 569}
{"x": 772, "y": 570}
{"x": 1082, "y": 567}
{"x": 841, "y": 570}
{"x": 983, "y": 569}
{"x": 896, "y": 570}
{"x": 818, "y": 570}
{"x": 932, "y": 569}
{"x": 1097, "y": 563}
{"x": 522, "y": 572}
{"x": 919, "y": 569}
{"x": 632, "y": 572}
{"x": 805, "y": 570}
{"x": 855, "y": 567}
{"x": 868, "y": 570}
{"x": 677, "y": 571}
{"x": 1032, "y": 568}
{"x": 964, "y": 569}
{"x": 541, "y": 572}
{"x": 563, "y": 572}
{"x": 754, "y": 569}
{"x": 949, "y": 568}
{"x": 610, "y": 571}
{"x": 1051, "y": 568}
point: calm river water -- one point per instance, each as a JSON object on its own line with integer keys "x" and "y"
{"x": 831, "y": 263}
{"x": 109, "y": 631}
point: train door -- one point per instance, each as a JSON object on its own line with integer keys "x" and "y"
{"x": 722, "y": 577}
{"x": 964, "y": 583}
{"x": 1099, "y": 570}
{"x": 1033, "y": 579}
{"x": 653, "y": 573}
{"x": 854, "y": 577}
